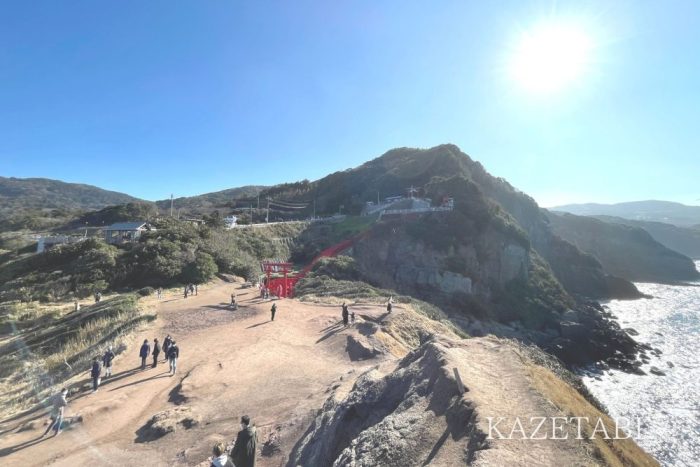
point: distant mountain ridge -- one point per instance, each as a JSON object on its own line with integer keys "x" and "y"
{"x": 652, "y": 210}
{"x": 41, "y": 203}
{"x": 210, "y": 201}
{"x": 685, "y": 240}
{"x": 624, "y": 250}
{"x": 44, "y": 193}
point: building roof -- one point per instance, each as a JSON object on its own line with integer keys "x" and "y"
{"x": 126, "y": 226}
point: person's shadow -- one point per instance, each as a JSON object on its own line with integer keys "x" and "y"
{"x": 32, "y": 442}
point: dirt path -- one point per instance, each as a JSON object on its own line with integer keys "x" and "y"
{"x": 280, "y": 374}
{"x": 231, "y": 364}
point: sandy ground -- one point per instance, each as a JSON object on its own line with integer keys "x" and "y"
{"x": 231, "y": 364}
{"x": 279, "y": 373}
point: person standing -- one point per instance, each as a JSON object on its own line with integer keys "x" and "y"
{"x": 186, "y": 290}
{"x": 389, "y": 304}
{"x": 59, "y": 404}
{"x": 352, "y": 317}
{"x": 273, "y": 310}
{"x": 345, "y": 314}
{"x": 196, "y": 290}
{"x": 160, "y": 292}
{"x": 173, "y": 355}
{"x": 107, "y": 361}
{"x": 144, "y": 353}
{"x": 244, "y": 449}
{"x": 166, "y": 345}
{"x": 156, "y": 352}
{"x": 77, "y": 305}
{"x": 95, "y": 373}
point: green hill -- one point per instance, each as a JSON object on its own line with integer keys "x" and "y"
{"x": 40, "y": 203}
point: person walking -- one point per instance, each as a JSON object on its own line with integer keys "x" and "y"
{"x": 352, "y": 317}
{"x": 107, "y": 361}
{"x": 244, "y": 449}
{"x": 273, "y": 310}
{"x": 345, "y": 314}
{"x": 221, "y": 459}
{"x": 389, "y": 304}
{"x": 59, "y": 403}
{"x": 173, "y": 355}
{"x": 144, "y": 353}
{"x": 156, "y": 352}
{"x": 186, "y": 290}
{"x": 167, "y": 342}
{"x": 160, "y": 292}
{"x": 196, "y": 290}
{"x": 95, "y": 373}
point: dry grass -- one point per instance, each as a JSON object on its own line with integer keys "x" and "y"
{"x": 52, "y": 343}
{"x": 623, "y": 452}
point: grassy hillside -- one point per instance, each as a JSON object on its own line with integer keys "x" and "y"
{"x": 40, "y": 203}
{"x": 208, "y": 202}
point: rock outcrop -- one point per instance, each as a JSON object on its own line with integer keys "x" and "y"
{"x": 437, "y": 406}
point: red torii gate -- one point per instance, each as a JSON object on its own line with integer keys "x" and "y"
{"x": 283, "y": 287}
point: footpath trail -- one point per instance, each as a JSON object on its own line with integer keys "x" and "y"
{"x": 231, "y": 364}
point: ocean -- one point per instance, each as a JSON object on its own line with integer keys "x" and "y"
{"x": 666, "y": 407}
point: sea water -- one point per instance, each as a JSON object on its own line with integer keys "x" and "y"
{"x": 667, "y": 407}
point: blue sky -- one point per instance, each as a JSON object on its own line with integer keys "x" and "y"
{"x": 159, "y": 97}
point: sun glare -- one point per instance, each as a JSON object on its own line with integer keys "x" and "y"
{"x": 550, "y": 57}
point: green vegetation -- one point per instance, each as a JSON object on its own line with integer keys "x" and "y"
{"x": 120, "y": 213}
{"x": 339, "y": 267}
{"x": 537, "y": 301}
{"x": 40, "y": 204}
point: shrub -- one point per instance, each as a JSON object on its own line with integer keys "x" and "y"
{"x": 146, "y": 291}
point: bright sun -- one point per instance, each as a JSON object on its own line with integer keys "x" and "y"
{"x": 550, "y": 57}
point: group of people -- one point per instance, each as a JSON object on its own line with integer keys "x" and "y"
{"x": 191, "y": 289}
{"x": 100, "y": 364}
{"x": 243, "y": 452}
{"x": 169, "y": 349}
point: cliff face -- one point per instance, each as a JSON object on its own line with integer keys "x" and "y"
{"x": 395, "y": 256}
{"x": 624, "y": 251}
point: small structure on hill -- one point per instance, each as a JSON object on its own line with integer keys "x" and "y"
{"x": 193, "y": 221}
{"x": 230, "y": 221}
{"x": 124, "y": 232}
{"x": 45, "y": 242}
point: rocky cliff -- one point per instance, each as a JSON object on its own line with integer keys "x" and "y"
{"x": 437, "y": 406}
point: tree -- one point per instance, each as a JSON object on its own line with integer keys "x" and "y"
{"x": 201, "y": 269}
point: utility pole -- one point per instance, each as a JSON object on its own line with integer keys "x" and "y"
{"x": 171, "y": 205}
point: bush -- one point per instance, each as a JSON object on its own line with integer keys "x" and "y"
{"x": 339, "y": 268}
{"x": 146, "y": 291}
